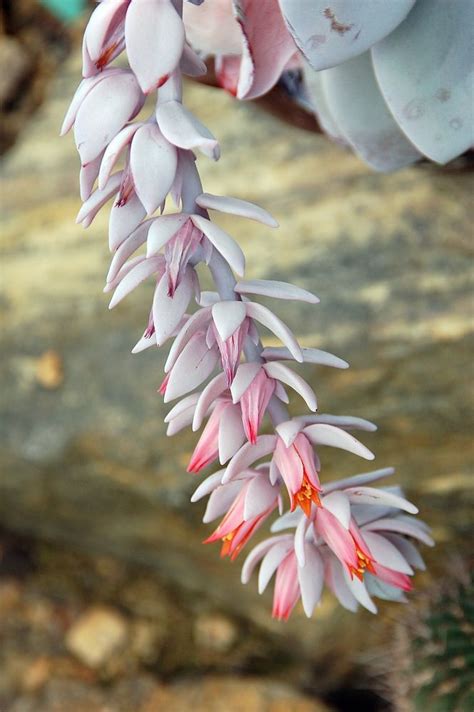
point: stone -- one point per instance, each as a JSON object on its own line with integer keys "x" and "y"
{"x": 215, "y": 632}
{"x": 97, "y": 636}
{"x": 227, "y": 694}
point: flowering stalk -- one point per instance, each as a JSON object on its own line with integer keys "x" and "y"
{"x": 349, "y": 535}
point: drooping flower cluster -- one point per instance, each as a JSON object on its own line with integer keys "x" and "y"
{"x": 347, "y": 534}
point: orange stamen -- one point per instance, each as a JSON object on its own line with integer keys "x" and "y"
{"x": 363, "y": 564}
{"x": 306, "y": 494}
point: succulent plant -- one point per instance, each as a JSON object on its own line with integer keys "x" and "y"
{"x": 434, "y": 649}
{"x": 391, "y": 80}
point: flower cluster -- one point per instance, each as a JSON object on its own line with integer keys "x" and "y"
{"x": 348, "y": 534}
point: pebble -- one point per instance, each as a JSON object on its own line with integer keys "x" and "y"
{"x": 97, "y": 636}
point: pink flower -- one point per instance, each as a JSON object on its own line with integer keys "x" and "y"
{"x": 222, "y": 436}
{"x": 255, "y": 501}
{"x": 254, "y": 402}
{"x": 298, "y": 468}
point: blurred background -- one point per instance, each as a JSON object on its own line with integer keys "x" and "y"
{"x": 108, "y": 600}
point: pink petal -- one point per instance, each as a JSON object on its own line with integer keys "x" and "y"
{"x": 260, "y": 496}
{"x": 153, "y": 162}
{"x": 338, "y": 504}
{"x": 88, "y": 176}
{"x": 184, "y": 130}
{"x": 207, "y": 486}
{"x": 195, "y": 323}
{"x": 244, "y": 376}
{"x": 221, "y": 501}
{"x": 271, "y": 562}
{"x": 234, "y": 206}
{"x": 267, "y": 46}
{"x": 385, "y": 553}
{"x": 288, "y": 431}
{"x": 154, "y": 35}
{"x": 104, "y": 33}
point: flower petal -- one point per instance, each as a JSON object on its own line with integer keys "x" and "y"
{"x": 183, "y": 129}
{"x": 113, "y": 150}
{"x": 248, "y": 454}
{"x": 223, "y": 243}
{"x": 235, "y": 206}
{"x": 124, "y": 218}
{"x": 194, "y": 364}
{"x": 153, "y": 162}
{"x": 338, "y": 504}
{"x": 211, "y": 392}
{"x": 277, "y": 290}
{"x": 385, "y": 553}
{"x": 335, "y": 437}
{"x": 127, "y": 248}
{"x": 372, "y": 495}
{"x": 286, "y": 375}
{"x": 231, "y": 433}
{"x": 98, "y": 199}
{"x": 311, "y": 579}
{"x": 228, "y": 316}
{"x": 154, "y": 35}
{"x": 309, "y": 356}
{"x": 136, "y": 276}
{"x": 271, "y": 561}
{"x": 258, "y": 552}
{"x": 359, "y": 480}
{"x": 168, "y": 310}
{"x": 244, "y": 376}
{"x": 272, "y": 322}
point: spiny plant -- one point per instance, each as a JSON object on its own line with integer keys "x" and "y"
{"x": 434, "y": 649}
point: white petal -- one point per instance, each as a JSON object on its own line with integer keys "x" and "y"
{"x": 109, "y": 104}
{"x": 162, "y": 229}
{"x": 383, "y": 590}
{"x": 272, "y": 322}
{"x": 260, "y": 496}
{"x": 223, "y": 243}
{"x": 271, "y": 561}
{"x": 335, "y": 437}
{"x": 98, "y": 199}
{"x": 124, "y": 219}
{"x": 385, "y": 553}
{"x": 154, "y": 35}
{"x": 184, "y": 130}
{"x": 287, "y": 521}
{"x": 300, "y": 536}
{"x": 338, "y": 585}
{"x": 144, "y": 343}
{"x": 113, "y": 150}
{"x": 425, "y": 72}
{"x": 338, "y": 504}
{"x": 282, "y": 373}
{"x": 231, "y": 433}
{"x": 258, "y": 551}
{"x": 153, "y": 162}
{"x": 196, "y": 322}
{"x": 220, "y": 500}
{"x": 408, "y": 550}
{"x": 244, "y": 376}
{"x": 248, "y": 454}
{"x": 288, "y": 431}
{"x": 182, "y": 405}
{"x": 168, "y": 311}
{"x": 359, "y": 480}
{"x": 136, "y": 276}
{"x": 309, "y": 356}
{"x": 359, "y": 591}
{"x": 371, "y": 495}
{"x": 81, "y": 92}
{"x": 399, "y": 526}
{"x": 127, "y": 248}
{"x": 194, "y": 364}
{"x": 277, "y": 290}
{"x": 191, "y": 64}
{"x": 211, "y": 392}
{"x": 235, "y": 206}
{"x": 207, "y": 486}
{"x": 228, "y": 316}
{"x": 311, "y": 579}
{"x": 88, "y": 176}
{"x": 345, "y": 422}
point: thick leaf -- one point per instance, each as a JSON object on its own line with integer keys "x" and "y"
{"x": 425, "y": 72}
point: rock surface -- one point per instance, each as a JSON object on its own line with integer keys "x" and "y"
{"x": 86, "y": 462}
